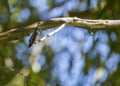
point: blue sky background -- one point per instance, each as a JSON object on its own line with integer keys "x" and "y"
{"x": 70, "y": 46}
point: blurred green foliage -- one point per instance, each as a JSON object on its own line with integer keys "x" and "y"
{"x": 105, "y": 9}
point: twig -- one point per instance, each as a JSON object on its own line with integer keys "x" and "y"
{"x": 52, "y": 33}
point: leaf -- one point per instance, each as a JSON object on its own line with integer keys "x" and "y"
{"x": 5, "y": 3}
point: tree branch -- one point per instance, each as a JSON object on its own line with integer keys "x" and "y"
{"x": 87, "y": 23}
{"x": 19, "y": 33}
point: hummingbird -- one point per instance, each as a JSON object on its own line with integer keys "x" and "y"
{"x": 34, "y": 35}
{"x": 33, "y": 38}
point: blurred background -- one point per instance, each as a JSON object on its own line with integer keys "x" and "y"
{"x": 71, "y": 57}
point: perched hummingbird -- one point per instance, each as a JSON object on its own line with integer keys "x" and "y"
{"x": 34, "y": 35}
{"x": 33, "y": 38}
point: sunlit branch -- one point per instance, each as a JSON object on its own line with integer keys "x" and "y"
{"x": 88, "y": 23}
{"x": 19, "y": 33}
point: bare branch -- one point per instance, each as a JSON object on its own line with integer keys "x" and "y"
{"x": 52, "y": 33}
{"x": 72, "y": 21}
{"x": 88, "y": 23}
